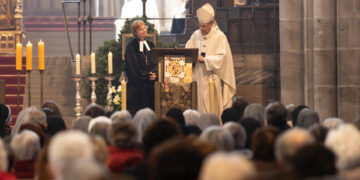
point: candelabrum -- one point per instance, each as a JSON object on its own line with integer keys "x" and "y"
{"x": 28, "y": 72}
{"x": 41, "y": 87}
{"x": 93, "y": 88}
{"x": 18, "y": 90}
{"x": 109, "y": 106}
{"x": 78, "y": 108}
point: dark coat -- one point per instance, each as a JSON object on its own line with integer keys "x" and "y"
{"x": 140, "y": 90}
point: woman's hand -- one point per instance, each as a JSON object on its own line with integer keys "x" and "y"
{"x": 152, "y": 76}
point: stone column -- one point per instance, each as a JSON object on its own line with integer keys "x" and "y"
{"x": 291, "y": 52}
{"x": 309, "y": 53}
{"x": 325, "y": 61}
{"x": 348, "y": 58}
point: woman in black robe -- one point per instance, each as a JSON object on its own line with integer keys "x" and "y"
{"x": 141, "y": 71}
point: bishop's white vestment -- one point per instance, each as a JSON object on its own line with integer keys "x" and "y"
{"x": 218, "y": 62}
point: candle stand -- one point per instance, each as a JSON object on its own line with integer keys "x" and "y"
{"x": 18, "y": 90}
{"x": 109, "y": 106}
{"x": 93, "y": 88}
{"x": 28, "y": 72}
{"x": 78, "y": 108}
{"x": 41, "y": 87}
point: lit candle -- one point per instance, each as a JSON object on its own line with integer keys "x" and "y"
{"x": 212, "y": 95}
{"x": 110, "y": 63}
{"x": 29, "y": 48}
{"x": 18, "y": 56}
{"x": 41, "y": 55}
{"x": 159, "y": 71}
{"x": 77, "y": 65}
{"x": 93, "y": 64}
{"x": 123, "y": 95}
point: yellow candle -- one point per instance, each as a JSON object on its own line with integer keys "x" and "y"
{"x": 110, "y": 63}
{"x": 123, "y": 95}
{"x": 77, "y": 65}
{"x": 41, "y": 55}
{"x": 93, "y": 64}
{"x": 159, "y": 71}
{"x": 212, "y": 95}
{"x": 29, "y": 48}
{"x": 18, "y": 56}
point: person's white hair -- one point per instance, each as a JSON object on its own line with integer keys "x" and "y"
{"x": 3, "y": 157}
{"x": 256, "y": 111}
{"x": 35, "y": 116}
{"x": 65, "y": 149}
{"x": 142, "y": 119}
{"x": 191, "y": 116}
{"x": 82, "y": 124}
{"x": 229, "y": 166}
{"x": 220, "y": 137}
{"x": 20, "y": 119}
{"x": 121, "y": 115}
{"x": 238, "y": 132}
{"x": 25, "y": 145}
{"x": 345, "y": 143}
{"x": 100, "y": 119}
{"x": 206, "y": 120}
{"x": 122, "y": 134}
{"x": 87, "y": 170}
{"x": 288, "y": 143}
{"x": 332, "y": 123}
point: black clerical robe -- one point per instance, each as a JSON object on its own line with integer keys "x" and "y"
{"x": 140, "y": 90}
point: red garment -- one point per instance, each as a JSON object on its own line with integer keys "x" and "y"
{"x": 6, "y": 176}
{"x": 120, "y": 159}
{"x": 24, "y": 169}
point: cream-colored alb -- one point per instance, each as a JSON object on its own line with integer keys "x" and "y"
{"x": 218, "y": 62}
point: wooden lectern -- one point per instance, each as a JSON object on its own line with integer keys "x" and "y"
{"x": 175, "y": 87}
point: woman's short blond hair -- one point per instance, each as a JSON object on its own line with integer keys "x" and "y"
{"x": 135, "y": 26}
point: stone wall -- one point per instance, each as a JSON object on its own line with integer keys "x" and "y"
{"x": 320, "y": 60}
{"x": 256, "y": 77}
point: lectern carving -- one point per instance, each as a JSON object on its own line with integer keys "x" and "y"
{"x": 175, "y": 87}
{"x": 10, "y": 25}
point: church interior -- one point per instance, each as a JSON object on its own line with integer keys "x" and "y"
{"x": 64, "y": 87}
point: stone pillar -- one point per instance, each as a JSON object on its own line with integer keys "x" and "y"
{"x": 291, "y": 52}
{"x": 325, "y": 61}
{"x": 309, "y": 53}
{"x": 348, "y": 58}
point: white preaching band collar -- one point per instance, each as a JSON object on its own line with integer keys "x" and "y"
{"x": 142, "y": 46}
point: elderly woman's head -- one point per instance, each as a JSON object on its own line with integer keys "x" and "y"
{"x": 25, "y": 145}
{"x": 123, "y": 115}
{"x": 65, "y": 149}
{"x": 142, "y": 119}
{"x": 206, "y": 120}
{"x": 138, "y": 29}
{"x": 122, "y": 134}
{"x": 220, "y": 137}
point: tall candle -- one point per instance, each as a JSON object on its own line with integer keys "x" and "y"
{"x": 159, "y": 72}
{"x": 212, "y": 95}
{"x": 41, "y": 55}
{"x": 18, "y": 56}
{"x": 93, "y": 64}
{"x": 110, "y": 63}
{"x": 29, "y": 48}
{"x": 77, "y": 65}
{"x": 123, "y": 95}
